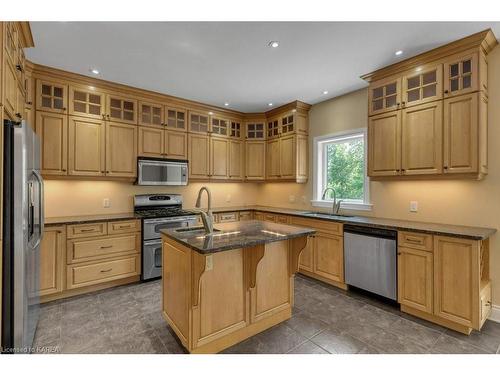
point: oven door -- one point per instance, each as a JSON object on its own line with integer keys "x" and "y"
{"x": 152, "y": 227}
{"x": 151, "y": 259}
{"x": 161, "y": 172}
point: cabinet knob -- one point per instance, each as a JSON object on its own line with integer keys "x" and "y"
{"x": 446, "y": 91}
{"x": 18, "y": 115}
{"x": 399, "y": 253}
{"x": 29, "y": 103}
{"x": 19, "y": 67}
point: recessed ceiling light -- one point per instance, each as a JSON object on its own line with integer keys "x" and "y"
{"x": 95, "y": 71}
{"x": 270, "y": 104}
{"x": 325, "y": 92}
{"x": 274, "y": 44}
{"x": 397, "y": 53}
{"x": 226, "y": 104}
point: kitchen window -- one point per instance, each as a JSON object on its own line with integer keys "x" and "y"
{"x": 340, "y": 163}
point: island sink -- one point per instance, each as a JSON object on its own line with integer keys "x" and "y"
{"x": 220, "y": 289}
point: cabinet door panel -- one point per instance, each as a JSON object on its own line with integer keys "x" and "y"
{"x": 384, "y": 95}
{"x": 121, "y": 109}
{"x": 384, "y": 144}
{"x": 461, "y": 74}
{"x": 329, "y": 256}
{"x": 51, "y": 96}
{"x": 306, "y": 256}
{"x": 415, "y": 276}
{"x": 461, "y": 134}
{"x": 121, "y": 150}
{"x": 236, "y": 160}
{"x": 86, "y": 102}
{"x": 273, "y": 159}
{"x": 176, "y": 145}
{"x": 219, "y": 163}
{"x": 52, "y": 260}
{"x": 199, "y": 156}
{"x": 456, "y": 280}
{"x": 422, "y": 86}
{"x": 150, "y": 114}
{"x": 86, "y": 147}
{"x": 52, "y": 128}
{"x": 10, "y": 89}
{"x": 288, "y": 157}
{"x": 151, "y": 141}
{"x": 421, "y": 139}
{"x": 255, "y": 160}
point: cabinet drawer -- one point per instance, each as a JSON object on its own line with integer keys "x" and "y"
{"x": 227, "y": 217}
{"x": 92, "y": 249}
{"x": 246, "y": 215}
{"x": 87, "y": 230}
{"x": 329, "y": 227}
{"x": 90, "y": 274}
{"x": 414, "y": 240}
{"x": 485, "y": 300}
{"x": 269, "y": 217}
{"x": 282, "y": 219}
{"x": 117, "y": 227}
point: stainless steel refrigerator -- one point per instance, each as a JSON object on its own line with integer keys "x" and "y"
{"x": 23, "y": 219}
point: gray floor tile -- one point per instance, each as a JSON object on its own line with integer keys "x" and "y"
{"x": 145, "y": 343}
{"x": 305, "y": 326}
{"x": 450, "y": 345}
{"x": 361, "y": 330}
{"x": 336, "y": 342}
{"x": 308, "y": 348}
{"x": 415, "y": 332}
{"x": 375, "y": 316}
{"x": 390, "y": 343}
{"x": 280, "y": 339}
{"x": 479, "y": 339}
{"x": 491, "y": 328}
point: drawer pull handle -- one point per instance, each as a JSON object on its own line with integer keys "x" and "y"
{"x": 109, "y": 269}
{"x": 123, "y": 226}
{"x": 414, "y": 240}
{"x": 106, "y": 247}
{"x": 87, "y": 230}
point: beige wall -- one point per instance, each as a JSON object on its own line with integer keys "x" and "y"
{"x": 69, "y": 198}
{"x": 461, "y": 202}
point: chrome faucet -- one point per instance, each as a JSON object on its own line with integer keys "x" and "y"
{"x": 336, "y": 204}
{"x": 206, "y": 217}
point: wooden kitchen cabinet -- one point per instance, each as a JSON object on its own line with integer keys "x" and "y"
{"x": 176, "y": 145}
{"x": 86, "y": 147}
{"x": 329, "y": 256}
{"x": 306, "y": 259}
{"x": 176, "y": 119}
{"x": 255, "y": 130}
{"x": 236, "y": 160}
{"x": 384, "y": 95}
{"x": 150, "y": 141}
{"x": 10, "y": 100}
{"x": 198, "y": 123}
{"x": 255, "y": 160}
{"x": 51, "y": 96}
{"x": 461, "y": 74}
{"x": 422, "y": 85}
{"x": 421, "y": 139}
{"x": 199, "y": 156}
{"x": 86, "y": 101}
{"x": 219, "y": 127}
{"x": 273, "y": 128}
{"x": 52, "y": 128}
{"x": 384, "y": 144}
{"x": 287, "y": 157}
{"x": 52, "y": 260}
{"x": 219, "y": 158}
{"x": 273, "y": 157}
{"x": 415, "y": 278}
{"x": 121, "y": 150}
{"x": 121, "y": 109}
{"x": 150, "y": 114}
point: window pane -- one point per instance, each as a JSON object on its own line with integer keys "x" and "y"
{"x": 345, "y": 169}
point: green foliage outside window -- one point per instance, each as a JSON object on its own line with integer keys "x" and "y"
{"x": 345, "y": 169}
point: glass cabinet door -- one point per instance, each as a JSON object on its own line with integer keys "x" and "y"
{"x": 51, "y": 96}
{"x": 175, "y": 119}
{"x": 461, "y": 75}
{"x": 235, "y": 129}
{"x": 384, "y": 95}
{"x": 121, "y": 109}
{"x": 219, "y": 126}
{"x": 198, "y": 122}
{"x": 150, "y": 114}
{"x": 422, "y": 85}
{"x": 255, "y": 130}
{"x": 86, "y": 102}
{"x": 273, "y": 129}
{"x": 287, "y": 124}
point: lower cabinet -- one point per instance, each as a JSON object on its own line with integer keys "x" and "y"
{"x": 80, "y": 258}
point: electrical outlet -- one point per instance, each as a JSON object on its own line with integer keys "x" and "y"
{"x": 291, "y": 198}
{"x": 228, "y": 198}
{"x": 106, "y": 203}
{"x": 413, "y": 206}
{"x": 209, "y": 263}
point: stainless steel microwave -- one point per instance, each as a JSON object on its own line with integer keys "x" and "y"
{"x": 151, "y": 171}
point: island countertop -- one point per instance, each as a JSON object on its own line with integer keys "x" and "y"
{"x": 235, "y": 235}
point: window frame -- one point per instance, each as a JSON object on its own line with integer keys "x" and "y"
{"x": 319, "y": 175}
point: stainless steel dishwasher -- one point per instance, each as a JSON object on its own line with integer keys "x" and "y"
{"x": 371, "y": 259}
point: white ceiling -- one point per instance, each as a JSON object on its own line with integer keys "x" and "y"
{"x": 217, "y": 62}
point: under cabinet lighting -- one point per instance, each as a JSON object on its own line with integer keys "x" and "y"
{"x": 274, "y": 44}
{"x": 397, "y": 53}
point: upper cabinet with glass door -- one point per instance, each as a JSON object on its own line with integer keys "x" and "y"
{"x": 255, "y": 130}
{"x": 175, "y": 119}
{"x": 121, "y": 109}
{"x": 86, "y": 101}
{"x": 150, "y": 114}
{"x": 421, "y": 85}
{"x": 235, "y": 129}
{"x": 273, "y": 128}
{"x": 461, "y": 74}
{"x": 219, "y": 126}
{"x": 51, "y": 96}
{"x": 198, "y": 122}
{"x": 384, "y": 95}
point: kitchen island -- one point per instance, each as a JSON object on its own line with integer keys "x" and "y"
{"x": 222, "y": 288}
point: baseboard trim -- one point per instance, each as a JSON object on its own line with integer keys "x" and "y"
{"x": 495, "y": 313}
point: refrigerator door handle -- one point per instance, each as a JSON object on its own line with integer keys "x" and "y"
{"x": 41, "y": 207}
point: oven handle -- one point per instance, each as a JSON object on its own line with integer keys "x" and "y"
{"x": 152, "y": 242}
{"x": 173, "y": 220}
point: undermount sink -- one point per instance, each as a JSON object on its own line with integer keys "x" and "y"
{"x": 195, "y": 229}
{"x": 322, "y": 214}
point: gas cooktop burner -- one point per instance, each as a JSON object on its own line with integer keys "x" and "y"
{"x": 163, "y": 212}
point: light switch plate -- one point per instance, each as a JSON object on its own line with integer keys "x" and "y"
{"x": 209, "y": 263}
{"x": 106, "y": 203}
{"x": 413, "y": 206}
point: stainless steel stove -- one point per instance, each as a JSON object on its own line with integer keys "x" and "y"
{"x": 159, "y": 211}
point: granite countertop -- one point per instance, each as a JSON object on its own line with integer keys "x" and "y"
{"x": 236, "y": 235}
{"x": 89, "y": 218}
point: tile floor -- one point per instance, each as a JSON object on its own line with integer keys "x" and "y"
{"x": 325, "y": 320}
